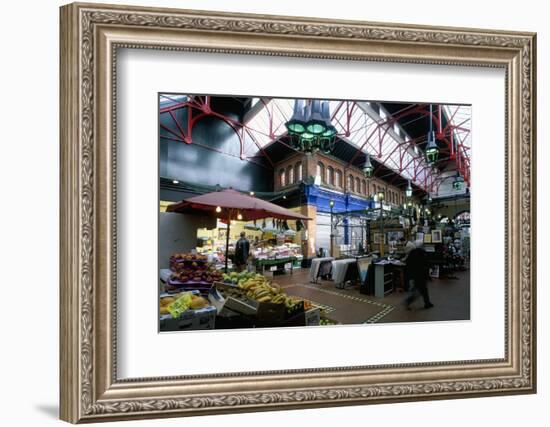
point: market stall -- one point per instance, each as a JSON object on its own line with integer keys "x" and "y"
{"x": 196, "y": 296}
{"x": 230, "y": 205}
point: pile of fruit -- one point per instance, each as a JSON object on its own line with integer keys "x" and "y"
{"x": 178, "y": 258}
{"x": 193, "y": 268}
{"x": 177, "y": 304}
{"x": 260, "y": 289}
{"x": 238, "y": 278}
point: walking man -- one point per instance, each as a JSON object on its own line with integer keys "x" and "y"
{"x": 417, "y": 270}
{"x": 242, "y": 250}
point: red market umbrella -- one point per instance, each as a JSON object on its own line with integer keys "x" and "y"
{"x": 233, "y": 203}
{"x": 230, "y": 205}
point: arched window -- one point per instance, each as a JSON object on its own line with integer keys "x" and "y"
{"x": 330, "y": 175}
{"x": 298, "y": 171}
{"x": 290, "y": 175}
{"x": 363, "y": 187}
{"x": 282, "y": 178}
{"x": 321, "y": 171}
{"x": 351, "y": 184}
{"x": 339, "y": 178}
{"x": 357, "y": 185}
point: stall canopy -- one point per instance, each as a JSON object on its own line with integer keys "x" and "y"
{"x": 233, "y": 205}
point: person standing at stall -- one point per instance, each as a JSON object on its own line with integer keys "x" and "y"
{"x": 242, "y": 250}
{"x": 417, "y": 270}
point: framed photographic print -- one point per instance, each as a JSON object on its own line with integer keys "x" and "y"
{"x": 428, "y": 238}
{"x": 436, "y": 236}
{"x": 204, "y": 158}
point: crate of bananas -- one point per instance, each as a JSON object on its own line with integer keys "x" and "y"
{"x": 262, "y": 290}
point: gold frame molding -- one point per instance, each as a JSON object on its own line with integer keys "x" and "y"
{"x": 90, "y": 36}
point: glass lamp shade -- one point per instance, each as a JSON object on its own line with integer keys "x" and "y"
{"x": 409, "y": 189}
{"x": 380, "y": 196}
{"x": 295, "y": 127}
{"x": 297, "y": 123}
{"x": 458, "y": 182}
{"x": 368, "y": 170}
{"x": 316, "y": 128}
{"x": 432, "y": 150}
{"x": 306, "y": 136}
{"x": 307, "y": 142}
{"x": 329, "y": 132}
{"x": 432, "y": 154}
{"x": 315, "y": 123}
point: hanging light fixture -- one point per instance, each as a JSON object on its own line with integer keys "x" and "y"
{"x": 409, "y": 190}
{"x": 458, "y": 182}
{"x": 310, "y": 128}
{"x": 368, "y": 168}
{"x": 297, "y": 123}
{"x": 218, "y": 209}
{"x": 239, "y": 217}
{"x": 432, "y": 151}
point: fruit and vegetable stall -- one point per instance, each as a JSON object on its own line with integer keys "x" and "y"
{"x": 194, "y": 295}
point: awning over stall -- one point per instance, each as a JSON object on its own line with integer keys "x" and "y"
{"x": 232, "y": 205}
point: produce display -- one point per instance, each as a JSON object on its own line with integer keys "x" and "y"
{"x": 283, "y": 251}
{"x": 199, "y": 297}
{"x": 261, "y": 290}
{"x": 175, "y": 305}
{"x": 237, "y": 278}
{"x": 191, "y": 271}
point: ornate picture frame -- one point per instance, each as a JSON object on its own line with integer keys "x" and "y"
{"x": 90, "y": 37}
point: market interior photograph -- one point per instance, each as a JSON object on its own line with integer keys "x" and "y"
{"x": 279, "y": 212}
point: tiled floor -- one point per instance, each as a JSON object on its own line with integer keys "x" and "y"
{"x": 451, "y": 299}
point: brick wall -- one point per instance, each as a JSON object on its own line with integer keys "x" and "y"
{"x": 335, "y": 175}
{"x": 289, "y": 170}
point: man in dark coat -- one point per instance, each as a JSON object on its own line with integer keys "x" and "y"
{"x": 417, "y": 270}
{"x": 242, "y": 249}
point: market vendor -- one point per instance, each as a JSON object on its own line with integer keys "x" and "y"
{"x": 242, "y": 250}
